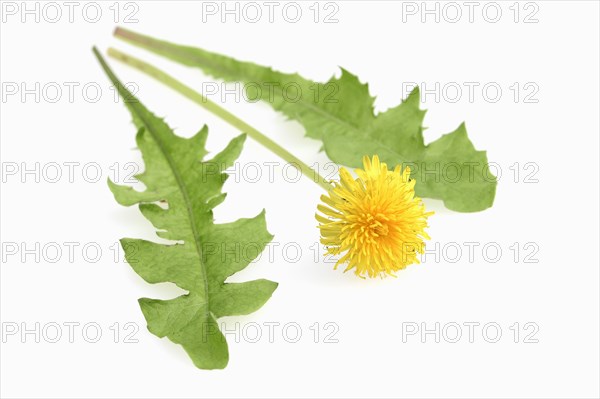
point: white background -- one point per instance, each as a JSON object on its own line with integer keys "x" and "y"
{"x": 558, "y": 214}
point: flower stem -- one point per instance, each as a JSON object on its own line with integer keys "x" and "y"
{"x": 222, "y": 113}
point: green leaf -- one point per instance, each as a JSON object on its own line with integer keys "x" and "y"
{"x": 205, "y": 254}
{"x": 340, "y": 112}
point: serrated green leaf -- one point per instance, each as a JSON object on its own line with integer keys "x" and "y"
{"x": 340, "y": 112}
{"x": 205, "y": 254}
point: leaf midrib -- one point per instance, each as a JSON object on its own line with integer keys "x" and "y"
{"x": 186, "y": 198}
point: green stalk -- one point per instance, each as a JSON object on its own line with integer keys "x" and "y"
{"x": 222, "y": 113}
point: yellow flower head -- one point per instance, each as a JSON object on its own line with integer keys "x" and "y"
{"x": 375, "y": 219}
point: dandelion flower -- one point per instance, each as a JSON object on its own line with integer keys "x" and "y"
{"x": 376, "y": 220}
